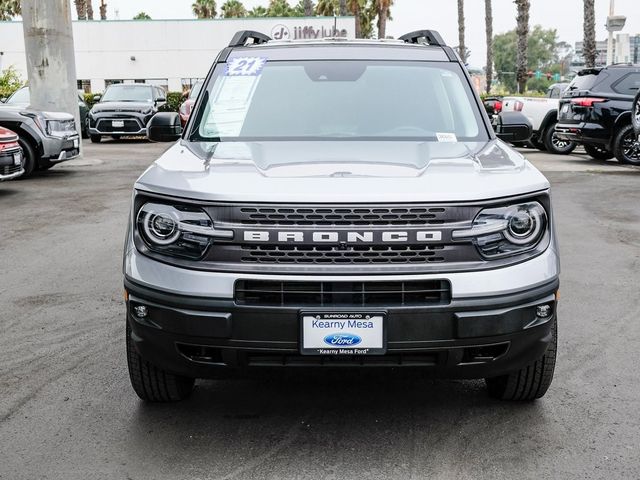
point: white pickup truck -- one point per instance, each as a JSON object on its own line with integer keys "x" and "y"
{"x": 542, "y": 112}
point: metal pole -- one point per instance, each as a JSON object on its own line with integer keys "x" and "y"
{"x": 610, "y": 39}
{"x": 51, "y": 65}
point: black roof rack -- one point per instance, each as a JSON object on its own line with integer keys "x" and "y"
{"x": 432, "y": 37}
{"x": 241, "y": 37}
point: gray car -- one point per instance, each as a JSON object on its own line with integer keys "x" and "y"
{"x": 46, "y": 138}
{"x": 340, "y": 204}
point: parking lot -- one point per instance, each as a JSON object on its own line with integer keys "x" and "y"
{"x": 68, "y": 411}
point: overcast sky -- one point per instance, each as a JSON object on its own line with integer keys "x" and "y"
{"x": 563, "y": 15}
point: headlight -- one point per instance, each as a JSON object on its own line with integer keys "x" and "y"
{"x": 61, "y": 128}
{"x": 177, "y": 230}
{"x": 504, "y": 231}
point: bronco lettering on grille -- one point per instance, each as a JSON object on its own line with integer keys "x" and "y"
{"x": 392, "y": 236}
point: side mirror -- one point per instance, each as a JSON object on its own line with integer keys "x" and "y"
{"x": 97, "y": 97}
{"x": 512, "y": 127}
{"x": 164, "y": 127}
{"x": 161, "y": 100}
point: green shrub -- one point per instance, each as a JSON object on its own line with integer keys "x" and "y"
{"x": 174, "y": 100}
{"x": 10, "y": 81}
{"x": 88, "y": 99}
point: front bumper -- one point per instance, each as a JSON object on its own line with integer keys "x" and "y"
{"x": 11, "y": 164}
{"x": 111, "y": 123}
{"x": 489, "y": 328}
{"x": 59, "y": 149}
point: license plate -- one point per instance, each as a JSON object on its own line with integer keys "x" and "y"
{"x": 76, "y": 143}
{"x": 117, "y": 123}
{"x": 17, "y": 158}
{"x": 342, "y": 333}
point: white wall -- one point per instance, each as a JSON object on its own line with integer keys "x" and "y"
{"x": 164, "y": 49}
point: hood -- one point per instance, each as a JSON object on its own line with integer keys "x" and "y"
{"x": 17, "y": 109}
{"x": 342, "y": 171}
{"x": 139, "y": 107}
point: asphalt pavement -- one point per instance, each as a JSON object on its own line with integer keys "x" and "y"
{"x": 67, "y": 410}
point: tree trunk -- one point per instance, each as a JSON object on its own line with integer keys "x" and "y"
{"x": 382, "y": 21}
{"x": 522, "y": 30}
{"x": 342, "y": 10}
{"x": 589, "y": 45}
{"x": 462, "y": 49}
{"x": 89, "y": 10}
{"x": 488, "y": 18}
{"x": 103, "y": 10}
{"x": 308, "y": 8}
{"x": 81, "y": 9}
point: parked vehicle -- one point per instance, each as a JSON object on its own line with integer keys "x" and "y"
{"x": 492, "y": 105}
{"x": 46, "y": 138}
{"x": 595, "y": 111}
{"x": 187, "y": 105}
{"x": 22, "y": 98}
{"x": 635, "y": 118}
{"x": 299, "y": 223}
{"x": 543, "y": 115}
{"x": 124, "y": 110}
{"x": 10, "y": 155}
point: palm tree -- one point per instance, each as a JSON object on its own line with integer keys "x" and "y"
{"x": 462, "y": 50}
{"x": 81, "y": 9}
{"x": 204, "y": 8}
{"x": 308, "y": 8}
{"x": 522, "y": 32}
{"x": 9, "y": 9}
{"x": 589, "y": 44}
{"x": 488, "y": 18}
{"x": 326, "y": 8}
{"x": 233, "y": 9}
{"x": 279, "y": 8}
{"x": 382, "y": 8}
{"x": 257, "y": 12}
{"x": 103, "y": 10}
{"x": 89, "y": 10}
{"x": 342, "y": 8}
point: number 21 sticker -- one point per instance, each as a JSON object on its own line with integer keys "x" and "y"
{"x": 245, "y": 66}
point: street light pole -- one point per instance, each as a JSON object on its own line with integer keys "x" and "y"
{"x": 51, "y": 66}
{"x": 610, "y": 39}
{"x": 615, "y": 23}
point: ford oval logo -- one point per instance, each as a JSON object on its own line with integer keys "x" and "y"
{"x": 342, "y": 340}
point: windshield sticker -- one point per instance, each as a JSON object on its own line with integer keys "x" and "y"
{"x": 232, "y": 97}
{"x": 245, "y": 66}
{"x": 446, "y": 137}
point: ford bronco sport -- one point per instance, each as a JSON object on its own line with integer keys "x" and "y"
{"x": 340, "y": 203}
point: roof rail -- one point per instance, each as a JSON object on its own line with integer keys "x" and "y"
{"x": 432, "y": 37}
{"x": 241, "y": 37}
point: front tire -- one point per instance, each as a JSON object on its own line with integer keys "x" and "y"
{"x": 29, "y": 161}
{"x": 530, "y": 382}
{"x": 151, "y": 383}
{"x": 95, "y": 138}
{"x": 555, "y": 145}
{"x": 626, "y": 146}
{"x": 597, "y": 152}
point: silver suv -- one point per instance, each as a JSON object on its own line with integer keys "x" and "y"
{"x": 340, "y": 204}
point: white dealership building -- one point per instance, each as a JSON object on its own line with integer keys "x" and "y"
{"x": 169, "y": 53}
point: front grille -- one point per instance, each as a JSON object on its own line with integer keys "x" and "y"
{"x": 320, "y": 294}
{"x": 345, "y": 216}
{"x": 10, "y": 169}
{"x": 359, "y": 254}
{"x": 130, "y": 126}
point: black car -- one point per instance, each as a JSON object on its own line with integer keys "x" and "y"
{"x": 595, "y": 111}
{"x": 124, "y": 109}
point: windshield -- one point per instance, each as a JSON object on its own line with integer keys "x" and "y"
{"x": 20, "y": 96}
{"x": 128, "y": 93}
{"x": 252, "y": 99}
